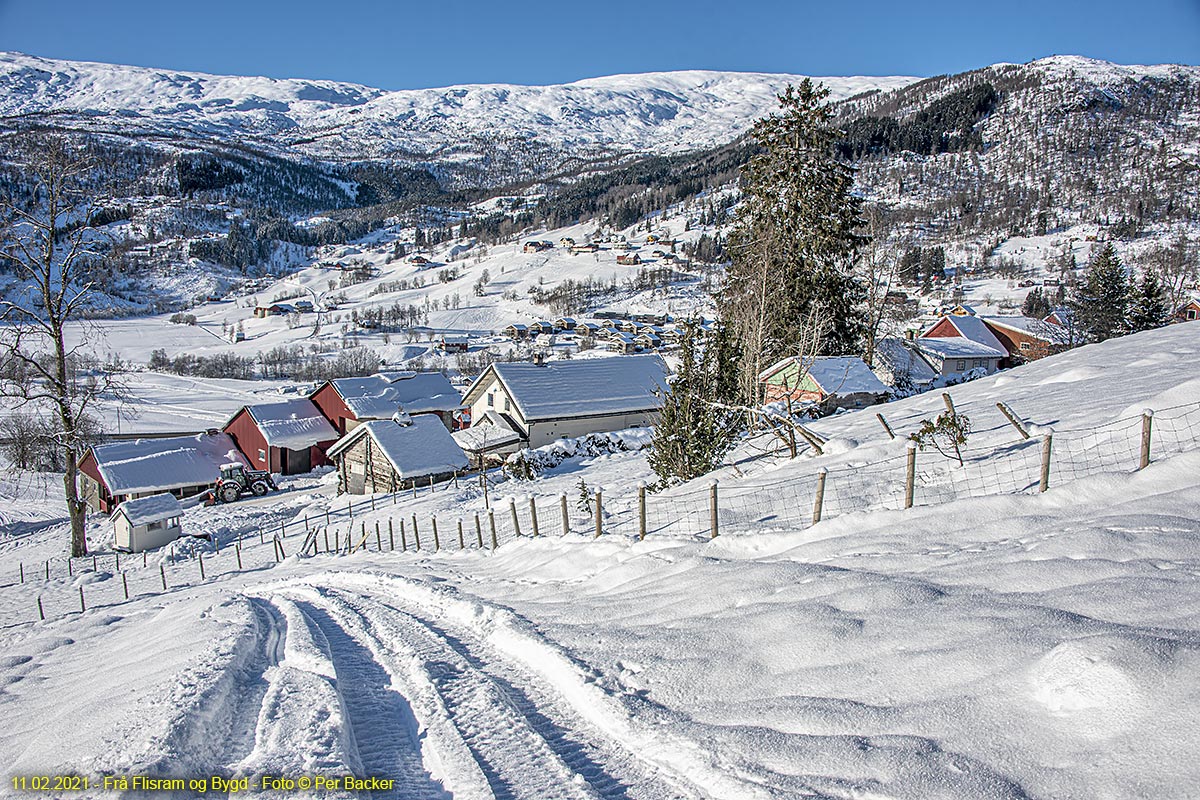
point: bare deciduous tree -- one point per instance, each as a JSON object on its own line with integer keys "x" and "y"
{"x": 50, "y": 244}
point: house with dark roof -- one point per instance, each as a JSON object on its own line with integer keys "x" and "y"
{"x": 346, "y": 402}
{"x": 289, "y": 437}
{"x": 559, "y": 399}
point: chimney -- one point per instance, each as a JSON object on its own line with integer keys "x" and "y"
{"x": 539, "y": 358}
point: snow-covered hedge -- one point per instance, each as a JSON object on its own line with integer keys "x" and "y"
{"x": 528, "y": 464}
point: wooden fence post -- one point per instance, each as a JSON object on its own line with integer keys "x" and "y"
{"x": 82, "y": 604}
{"x": 1147, "y": 423}
{"x": 327, "y": 523}
{"x": 478, "y": 531}
{"x": 391, "y": 537}
{"x": 713, "y": 515}
{"x": 891, "y": 433}
{"x": 117, "y": 568}
{"x": 22, "y": 572}
{"x": 462, "y": 543}
{"x": 431, "y": 484}
{"x": 41, "y": 611}
{"x": 819, "y": 501}
{"x": 416, "y": 532}
{"x": 437, "y": 545}
{"x": 237, "y": 547}
{"x": 95, "y": 566}
{"x": 492, "y": 525}
{"x": 1013, "y": 420}
{"x": 1044, "y": 483}
{"x": 949, "y": 402}
{"x": 599, "y": 512}
{"x": 378, "y": 538}
{"x": 403, "y": 538}
{"x": 326, "y": 532}
{"x": 641, "y": 510}
{"x": 200, "y": 558}
{"x": 910, "y": 475}
{"x": 125, "y": 585}
{"x": 533, "y": 515}
{"x": 566, "y": 518}
{"x": 162, "y": 573}
{"x": 512, "y": 507}
{"x": 70, "y": 568}
{"x": 48, "y": 567}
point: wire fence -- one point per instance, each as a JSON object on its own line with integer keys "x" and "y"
{"x": 380, "y": 523}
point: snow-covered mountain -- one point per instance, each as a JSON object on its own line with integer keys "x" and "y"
{"x": 652, "y": 113}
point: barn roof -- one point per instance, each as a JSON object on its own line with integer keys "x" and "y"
{"x": 421, "y": 447}
{"x": 144, "y": 510}
{"x": 145, "y": 465}
{"x": 490, "y": 430}
{"x": 957, "y": 347}
{"x": 833, "y": 374}
{"x": 973, "y": 328}
{"x": 292, "y": 424}
{"x": 381, "y": 395}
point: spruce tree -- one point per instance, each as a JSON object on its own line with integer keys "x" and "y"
{"x": 795, "y": 241}
{"x": 1100, "y": 301}
{"x": 1036, "y": 304}
{"x": 1149, "y": 306}
{"x": 692, "y": 434}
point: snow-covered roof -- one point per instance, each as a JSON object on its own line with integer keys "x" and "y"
{"x": 580, "y": 387}
{"x": 490, "y": 430}
{"x": 1046, "y": 331}
{"x": 379, "y": 396}
{"x": 974, "y": 328}
{"x": 292, "y": 424}
{"x": 144, "y": 510}
{"x": 893, "y": 354}
{"x": 957, "y": 347}
{"x": 144, "y": 465}
{"x": 422, "y": 447}
{"x": 845, "y": 375}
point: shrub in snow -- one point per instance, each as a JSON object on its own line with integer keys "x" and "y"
{"x": 528, "y": 464}
{"x": 946, "y": 434}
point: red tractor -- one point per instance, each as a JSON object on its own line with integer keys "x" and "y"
{"x": 237, "y": 480}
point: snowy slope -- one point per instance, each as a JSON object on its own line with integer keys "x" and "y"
{"x": 1011, "y": 646}
{"x": 654, "y": 112}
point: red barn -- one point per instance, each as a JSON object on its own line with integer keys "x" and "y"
{"x": 289, "y": 437}
{"x": 348, "y": 401}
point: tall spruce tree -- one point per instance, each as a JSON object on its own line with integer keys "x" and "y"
{"x": 795, "y": 242}
{"x": 692, "y": 434}
{"x": 1100, "y": 301}
{"x": 1149, "y": 303}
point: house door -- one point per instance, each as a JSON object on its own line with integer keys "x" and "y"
{"x": 298, "y": 461}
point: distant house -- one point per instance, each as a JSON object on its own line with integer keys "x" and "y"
{"x": 541, "y": 326}
{"x": 449, "y": 343}
{"x": 181, "y": 465}
{"x": 629, "y": 259}
{"x": 387, "y": 455}
{"x": 1026, "y": 338}
{"x": 621, "y": 342}
{"x": 586, "y": 328}
{"x": 146, "y": 523}
{"x": 831, "y": 382}
{"x": 566, "y": 242}
{"x": 565, "y": 323}
{"x": 972, "y": 328}
{"x": 585, "y": 248}
{"x": 648, "y": 341}
{"x": 1188, "y": 312}
{"x": 273, "y": 310}
{"x": 492, "y": 437}
{"x": 288, "y": 437}
{"x": 419, "y": 261}
{"x": 537, "y": 246}
{"x": 516, "y": 331}
{"x": 571, "y": 398}
{"x": 346, "y": 402}
{"x": 954, "y": 356}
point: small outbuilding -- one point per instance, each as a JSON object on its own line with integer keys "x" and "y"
{"x": 147, "y": 523}
{"x": 832, "y": 382}
{"x": 391, "y": 454}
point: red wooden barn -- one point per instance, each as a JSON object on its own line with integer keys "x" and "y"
{"x": 348, "y": 401}
{"x": 289, "y": 437}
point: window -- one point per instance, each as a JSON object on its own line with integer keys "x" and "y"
{"x": 961, "y": 365}
{"x": 1191, "y": 313}
{"x": 491, "y": 400}
{"x": 1026, "y": 346}
{"x": 262, "y": 456}
{"x": 156, "y": 526}
{"x": 507, "y": 407}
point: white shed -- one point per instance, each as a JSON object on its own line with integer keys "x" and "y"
{"x": 147, "y": 522}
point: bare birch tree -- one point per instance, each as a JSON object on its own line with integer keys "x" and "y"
{"x": 50, "y": 245}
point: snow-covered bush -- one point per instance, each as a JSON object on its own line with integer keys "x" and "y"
{"x": 528, "y": 464}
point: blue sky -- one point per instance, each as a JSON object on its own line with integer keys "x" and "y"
{"x": 401, "y": 44}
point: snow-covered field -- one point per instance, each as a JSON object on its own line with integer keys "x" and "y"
{"x": 1018, "y": 645}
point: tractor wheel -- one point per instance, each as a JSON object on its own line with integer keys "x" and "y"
{"x": 229, "y": 492}
{"x": 259, "y": 488}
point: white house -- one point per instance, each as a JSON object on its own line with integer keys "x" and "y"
{"x": 491, "y": 437}
{"x": 550, "y": 401}
{"x": 147, "y": 523}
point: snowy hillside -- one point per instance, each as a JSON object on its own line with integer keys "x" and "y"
{"x": 1011, "y": 645}
{"x": 652, "y": 113}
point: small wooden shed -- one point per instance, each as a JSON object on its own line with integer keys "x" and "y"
{"x": 147, "y": 523}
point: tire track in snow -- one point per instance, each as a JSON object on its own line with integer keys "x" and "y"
{"x": 522, "y": 737}
{"x": 382, "y": 724}
{"x": 253, "y": 683}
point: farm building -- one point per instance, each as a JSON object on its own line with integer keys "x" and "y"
{"x": 451, "y": 343}
{"x": 387, "y": 455}
{"x": 147, "y": 523}
{"x": 832, "y": 382}
{"x": 346, "y": 402}
{"x": 181, "y": 465}
{"x": 550, "y": 401}
{"x": 1026, "y": 338}
{"x": 629, "y": 259}
{"x": 491, "y": 438}
{"x": 289, "y": 437}
{"x": 1188, "y": 312}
